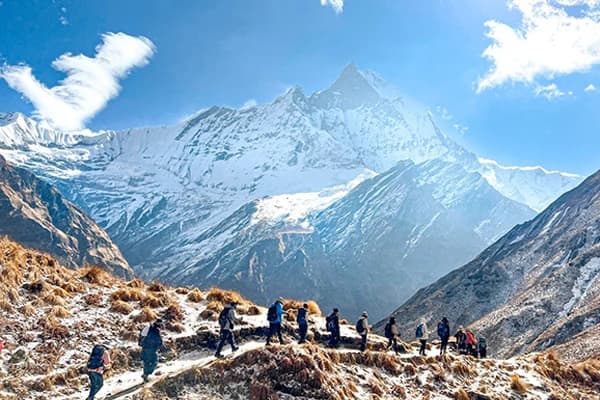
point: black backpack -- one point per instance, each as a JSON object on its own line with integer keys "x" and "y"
{"x": 96, "y": 360}
{"x": 482, "y": 344}
{"x": 329, "y": 324}
{"x": 223, "y": 320}
{"x": 272, "y": 313}
{"x": 359, "y": 326}
{"x": 388, "y": 330}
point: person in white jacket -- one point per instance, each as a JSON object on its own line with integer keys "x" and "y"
{"x": 422, "y": 335}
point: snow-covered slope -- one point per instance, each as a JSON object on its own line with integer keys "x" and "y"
{"x": 158, "y": 191}
{"x": 537, "y": 287}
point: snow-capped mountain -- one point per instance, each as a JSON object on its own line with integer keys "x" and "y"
{"x": 159, "y": 192}
{"x": 36, "y": 214}
{"x": 538, "y": 286}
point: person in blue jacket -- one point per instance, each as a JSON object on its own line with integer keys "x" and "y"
{"x": 275, "y": 316}
{"x": 151, "y": 341}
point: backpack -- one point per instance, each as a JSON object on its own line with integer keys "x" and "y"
{"x": 482, "y": 343}
{"x": 142, "y": 336}
{"x": 272, "y": 313}
{"x": 96, "y": 358}
{"x": 388, "y": 330}
{"x": 442, "y": 330}
{"x": 223, "y": 318}
{"x": 419, "y": 332}
{"x": 329, "y": 324}
{"x": 359, "y": 326}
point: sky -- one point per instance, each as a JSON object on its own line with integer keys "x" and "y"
{"x": 517, "y": 81}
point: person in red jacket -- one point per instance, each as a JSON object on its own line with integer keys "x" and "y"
{"x": 471, "y": 343}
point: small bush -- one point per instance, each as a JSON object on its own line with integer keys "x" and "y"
{"x": 518, "y": 385}
{"x": 173, "y": 313}
{"x": 157, "y": 287}
{"x": 224, "y": 296}
{"x": 146, "y": 315}
{"x": 129, "y": 294}
{"x": 95, "y": 275}
{"x": 195, "y": 296}
{"x": 155, "y": 301}
{"x": 121, "y": 307}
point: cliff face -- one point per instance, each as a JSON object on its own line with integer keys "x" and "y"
{"x": 34, "y": 213}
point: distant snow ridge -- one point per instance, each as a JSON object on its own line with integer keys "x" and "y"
{"x": 175, "y": 197}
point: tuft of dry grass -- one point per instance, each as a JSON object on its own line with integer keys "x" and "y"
{"x": 224, "y": 296}
{"x": 156, "y": 300}
{"x": 54, "y": 300}
{"x": 28, "y": 310}
{"x": 136, "y": 283}
{"x": 461, "y": 395}
{"x": 5, "y": 304}
{"x": 93, "y": 299}
{"x": 129, "y": 294}
{"x": 174, "y": 327}
{"x": 173, "y": 313}
{"x": 195, "y": 296}
{"x": 121, "y": 307}
{"x": 60, "y": 312}
{"x": 462, "y": 369}
{"x": 252, "y": 310}
{"x": 95, "y": 275}
{"x": 73, "y": 286}
{"x": 146, "y": 315}
{"x": 157, "y": 287}
{"x": 518, "y": 385}
{"x": 182, "y": 290}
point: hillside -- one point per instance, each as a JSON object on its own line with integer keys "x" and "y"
{"x": 34, "y": 213}
{"x": 51, "y": 317}
{"x": 535, "y": 288}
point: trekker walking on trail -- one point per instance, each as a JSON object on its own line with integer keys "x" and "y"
{"x": 98, "y": 362}
{"x": 392, "y": 333}
{"x": 274, "y": 316}
{"x": 332, "y": 324}
{"x": 302, "y": 323}
{"x": 471, "y": 343}
{"x": 422, "y": 334}
{"x": 443, "y": 330}
{"x": 482, "y": 347}
{"x": 362, "y": 327}
{"x": 461, "y": 338}
{"x": 227, "y": 320}
{"x": 151, "y": 341}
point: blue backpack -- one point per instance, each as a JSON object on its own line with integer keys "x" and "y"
{"x": 419, "y": 332}
{"x": 443, "y": 330}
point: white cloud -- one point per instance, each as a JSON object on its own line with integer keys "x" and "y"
{"x": 249, "y": 104}
{"x": 63, "y": 20}
{"x": 590, "y": 88}
{"x": 550, "y": 92}
{"x": 556, "y": 37}
{"x": 337, "y": 5}
{"x": 89, "y": 84}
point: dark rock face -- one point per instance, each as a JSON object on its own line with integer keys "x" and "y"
{"x": 536, "y": 287}
{"x": 35, "y": 214}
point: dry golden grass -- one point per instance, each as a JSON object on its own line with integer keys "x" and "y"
{"x": 462, "y": 369}
{"x": 209, "y": 315}
{"x": 60, "y": 312}
{"x": 461, "y": 395}
{"x": 73, "y": 286}
{"x": 95, "y": 275}
{"x": 518, "y": 385}
{"x": 146, "y": 315}
{"x": 195, "y": 296}
{"x": 182, "y": 290}
{"x": 214, "y": 306}
{"x": 252, "y": 310}
{"x": 155, "y": 300}
{"x": 157, "y": 287}
{"x": 59, "y": 291}
{"x": 93, "y": 299}
{"x": 5, "y": 303}
{"x": 121, "y": 307}
{"x": 27, "y": 309}
{"x": 224, "y": 296}
{"x": 173, "y": 313}
{"x": 136, "y": 283}
{"x": 128, "y": 294}
{"x": 54, "y": 300}
{"x": 313, "y": 307}
{"x": 174, "y": 327}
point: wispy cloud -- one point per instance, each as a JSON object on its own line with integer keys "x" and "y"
{"x": 550, "y": 92}
{"x": 337, "y": 5}
{"x": 590, "y": 88}
{"x": 249, "y": 104}
{"x": 555, "y": 37}
{"x": 63, "y": 17}
{"x": 89, "y": 84}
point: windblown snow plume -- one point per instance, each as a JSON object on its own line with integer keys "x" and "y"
{"x": 89, "y": 84}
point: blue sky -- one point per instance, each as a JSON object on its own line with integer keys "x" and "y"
{"x": 533, "y": 110}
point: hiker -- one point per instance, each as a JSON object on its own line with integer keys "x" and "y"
{"x": 422, "y": 334}
{"x": 332, "y": 324}
{"x": 274, "y": 316}
{"x": 150, "y": 340}
{"x": 443, "y": 329}
{"x": 392, "y": 333}
{"x": 302, "y": 323}
{"x": 362, "y": 327}
{"x": 98, "y": 362}
{"x": 471, "y": 343}
{"x": 482, "y": 347}
{"x": 461, "y": 339}
{"x": 227, "y": 319}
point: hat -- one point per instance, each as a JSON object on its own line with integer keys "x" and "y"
{"x": 461, "y": 328}
{"x": 233, "y": 303}
{"x": 336, "y": 310}
{"x": 281, "y": 300}
{"x": 364, "y": 314}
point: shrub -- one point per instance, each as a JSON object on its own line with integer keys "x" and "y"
{"x": 129, "y": 294}
{"x": 195, "y": 296}
{"x": 155, "y": 301}
{"x": 95, "y": 275}
{"x": 157, "y": 287}
{"x": 518, "y": 385}
{"x": 224, "y": 296}
{"x": 173, "y": 313}
{"x": 146, "y": 315}
{"x": 121, "y": 307}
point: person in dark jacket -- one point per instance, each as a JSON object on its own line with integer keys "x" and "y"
{"x": 227, "y": 320}
{"x": 333, "y": 326}
{"x": 391, "y": 332}
{"x": 482, "y": 343}
{"x": 461, "y": 339}
{"x": 422, "y": 334}
{"x": 362, "y": 326}
{"x": 444, "y": 334}
{"x": 275, "y": 323}
{"x": 151, "y": 342}
{"x": 98, "y": 364}
{"x": 302, "y": 321}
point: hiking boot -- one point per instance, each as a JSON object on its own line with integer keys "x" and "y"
{"x": 218, "y": 355}
{"x": 145, "y": 378}
{"x": 235, "y": 349}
